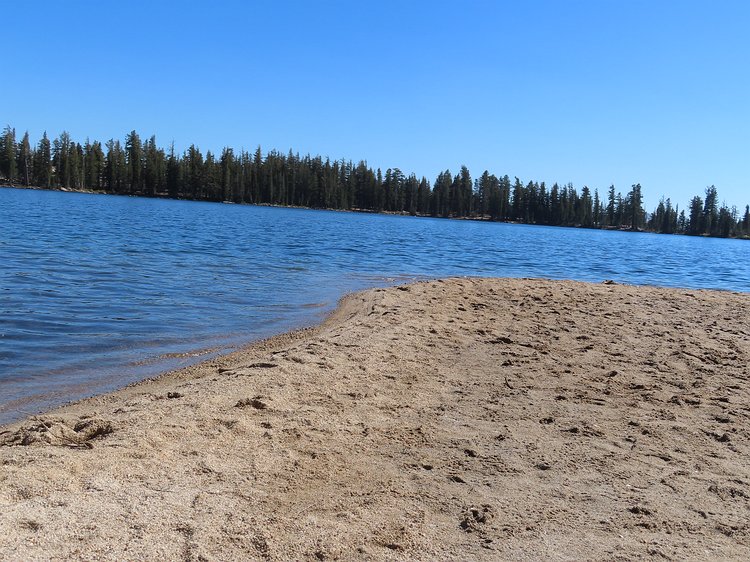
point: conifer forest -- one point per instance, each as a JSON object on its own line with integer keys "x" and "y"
{"x": 140, "y": 167}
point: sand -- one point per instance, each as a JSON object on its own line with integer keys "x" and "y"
{"x": 466, "y": 419}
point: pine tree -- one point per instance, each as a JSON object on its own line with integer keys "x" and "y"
{"x": 134, "y": 163}
{"x": 611, "y": 206}
{"x": 114, "y": 167}
{"x": 153, "y": 169}
{"x": 24, "y": 160}
{"x": 529, "y": 203}
{"x": 669, "y": 220}
{"x": 464, "y": 193}
{"x": 441, "y": 194}
{"x": 256, "y": 175}
{"x": 682, "y": 223}
{"x": 194, "y": 173}
{"x": 75, "y": 169}
{"x": 43, "y": 163}
{"x": 585, "y": 213}
{"x": 504, "y": 208}
{"x": 211, "y": 178}
{"x": 226, "y": 163}
{"x": 725, "y": 221}
{"x": 710, "y": 211}
{"x": 695, "y": 224}
{"x": 597, "y": 209}
{"x": 174, "y": 180}
{"x": 8, "y": 149}
{"x": 555, "y": 205}
{"x": 61, "y": 161}
{"x": 94, "y": 165}
{"x": 542, "y": 211}
{"x": 635, "y": 207}
{"x": 518, "y": 203}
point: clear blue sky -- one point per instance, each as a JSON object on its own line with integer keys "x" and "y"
{"x": 591, "y": 92}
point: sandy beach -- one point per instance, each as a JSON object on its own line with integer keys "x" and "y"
{"x": 464, "y": 419}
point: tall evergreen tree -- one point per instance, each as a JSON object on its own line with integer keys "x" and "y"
{"x": 153, "y": 168}
{"x": 682, "y": 223}
{"x": 174, "y": 179}
{"x": 710, "y": 211}
{"x": 226, "y": 163}
{"x": 518, "y": 202}
{"x": 94, "y": 165}
{"x": 115, "y": 167}
{"x": 695, "y": 222}
{"x": 61, "y": 161}
{"x": 635, "y": 206}
{"x": 134, "y": 162}
{"x": 597, "y": 218}
{"x": 584, "y": 215}
{"x": 8, "y": 149}
{"x": 25, "y": 165}
{"x": 43, "y": 163}
{"x": 611, "y": 206}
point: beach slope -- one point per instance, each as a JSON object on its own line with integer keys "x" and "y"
{"x": 458, "y": 419}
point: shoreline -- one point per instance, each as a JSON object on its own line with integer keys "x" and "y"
{"x": 452, "y": 419}
{"x": 368, "y": 211}
{"x": 216, "y": 359}
{"x": 220, "y": 358}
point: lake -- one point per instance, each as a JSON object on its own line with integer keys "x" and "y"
{"x": 98, "y": 291}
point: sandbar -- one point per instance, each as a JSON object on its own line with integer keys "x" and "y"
{"x": 458, "y": 419}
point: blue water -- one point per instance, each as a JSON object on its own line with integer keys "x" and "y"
{"x": 99, "y": 291}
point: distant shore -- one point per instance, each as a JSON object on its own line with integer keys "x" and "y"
{"x": 351, "y": 210}
{"x": 458, "y": 419}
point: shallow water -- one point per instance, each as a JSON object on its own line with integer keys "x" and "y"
{"x": 99, "y": 291}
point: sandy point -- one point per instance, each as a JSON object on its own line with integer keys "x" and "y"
{"x": 457, "y": 419}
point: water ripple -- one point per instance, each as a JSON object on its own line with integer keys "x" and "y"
{"x": 99, "y": 291}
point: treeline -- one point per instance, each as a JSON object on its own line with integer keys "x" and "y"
{"x": 140, "y": 167}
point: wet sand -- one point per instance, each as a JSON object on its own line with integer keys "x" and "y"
{"x": 459, "y": 419}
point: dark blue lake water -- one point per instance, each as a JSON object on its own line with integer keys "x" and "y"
{"x": 99, "y": 291}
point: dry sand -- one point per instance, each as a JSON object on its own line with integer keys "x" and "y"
{"x": 461, "y": 419}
